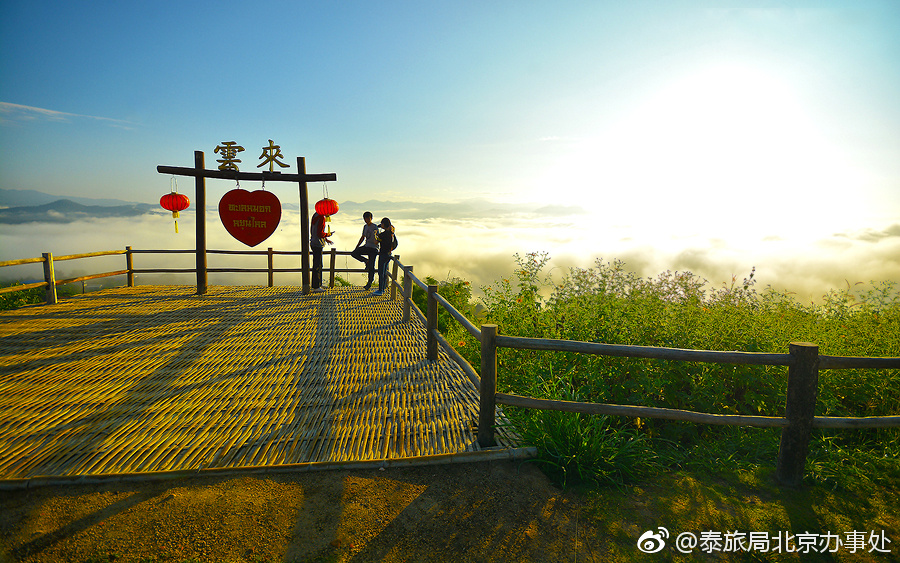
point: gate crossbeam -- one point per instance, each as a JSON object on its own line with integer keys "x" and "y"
{"x": 264, "y": 176}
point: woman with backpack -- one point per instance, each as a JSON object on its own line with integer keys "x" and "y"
{"x": 386, "y": 243}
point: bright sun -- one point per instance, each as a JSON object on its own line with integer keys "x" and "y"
{"x": 717, "y": 147}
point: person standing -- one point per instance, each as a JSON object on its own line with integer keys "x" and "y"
{"x": 385, "y": 247}
{"x": 318, "y": 238}
{"x": 368, "y": 251}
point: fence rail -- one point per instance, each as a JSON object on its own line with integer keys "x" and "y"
{"x": 647, "y": 352}
{"x": 803, "y": 359}
{"x": 51, "y": 282}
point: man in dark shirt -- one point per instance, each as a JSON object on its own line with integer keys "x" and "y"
{"x": 317, "y": 240}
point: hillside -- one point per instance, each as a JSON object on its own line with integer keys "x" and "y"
{"x": 24, "y": 198}
{"x": 67, "y": 211}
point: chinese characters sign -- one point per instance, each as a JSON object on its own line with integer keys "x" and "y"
{"x": 271, "y": 154}
{"x": 229, "y": 161}
{"x": 229, "y": 158}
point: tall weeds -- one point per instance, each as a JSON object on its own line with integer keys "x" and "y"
{"x": 609, "y": 304}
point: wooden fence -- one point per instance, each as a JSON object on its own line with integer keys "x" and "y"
{"x": 51, "y": 282}
{"x": 802, "y": 360}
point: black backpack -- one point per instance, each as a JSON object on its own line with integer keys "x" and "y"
{"x": 394, "y": 243}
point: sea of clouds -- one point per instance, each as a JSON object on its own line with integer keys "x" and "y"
{"x": 475, "y": 240}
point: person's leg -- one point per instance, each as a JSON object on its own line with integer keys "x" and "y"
{"x": 317, "y": 267}
{"x": 383, "y": 262}
{"x": 359, "y": 253}
{"x": 370, "y": 265}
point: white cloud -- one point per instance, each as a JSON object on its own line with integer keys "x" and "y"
{"x": 27, "y": 113}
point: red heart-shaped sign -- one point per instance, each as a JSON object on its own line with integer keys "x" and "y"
{"x": 250, "y": 217}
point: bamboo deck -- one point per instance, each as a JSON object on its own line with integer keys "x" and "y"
{"x": 156, "y": 378}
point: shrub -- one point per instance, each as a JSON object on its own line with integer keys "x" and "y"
{"x": 609, "y": 304}
{"x": 15, "y": 299}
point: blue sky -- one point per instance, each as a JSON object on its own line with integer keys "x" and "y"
{"x": 664, "y": 117}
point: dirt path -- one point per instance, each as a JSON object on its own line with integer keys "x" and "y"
{"x": 488, "y": 511}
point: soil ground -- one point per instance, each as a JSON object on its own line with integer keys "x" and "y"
{"x": 486, "y": 511}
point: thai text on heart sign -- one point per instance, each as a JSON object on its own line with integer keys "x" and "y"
{"x": 251, "y": 222}
{"x": 250, "y": 217}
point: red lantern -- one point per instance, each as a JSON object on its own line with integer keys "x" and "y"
{"x": 175, "y": 202}
{"x": 326, "y": 207}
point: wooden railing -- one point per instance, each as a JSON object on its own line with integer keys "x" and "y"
{"x": 51, "y": 282}
{"x": 270, "y": 269}
{"x": 802, "y": 360}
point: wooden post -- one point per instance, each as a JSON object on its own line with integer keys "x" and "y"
{"x": 200, "y": 204}
{"x": 394, "y": 277}
{"x": 333, "y": 261}
{"x": 129, "y": 265}
{"x": 407, "y": 292}
{"x": 304, "y": 225}
{"x": 432, "y": 323}
{"x": 50, "y": 278}
{"x": 487, "y": 400}
{"x": 800, "y": 409}
{"x": 271, "y": 267}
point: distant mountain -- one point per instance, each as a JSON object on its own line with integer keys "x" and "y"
{"x": 473, "y": 208}
{"x": 25, "y": 198}
{"x": 67, "y": 211}
{"x": 28, "y": 206}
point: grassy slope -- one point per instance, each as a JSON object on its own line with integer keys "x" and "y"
{"x": 640, "y": 474}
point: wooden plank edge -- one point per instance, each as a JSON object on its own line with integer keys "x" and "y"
{"x": 492, "y": 454}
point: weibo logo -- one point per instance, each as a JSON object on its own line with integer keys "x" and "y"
{"x": 653, "y": 542}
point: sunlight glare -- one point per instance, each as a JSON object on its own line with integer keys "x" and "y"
{"x": 712, "y": 152}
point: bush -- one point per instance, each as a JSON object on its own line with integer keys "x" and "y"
{"x": 16, "y": 299}
{"x": 455, "y": 290}
{"x": 33, "y": 296}
{"x": 609, "y": 304}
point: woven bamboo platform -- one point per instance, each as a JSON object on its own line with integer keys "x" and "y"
{"x": 156, "y": 378}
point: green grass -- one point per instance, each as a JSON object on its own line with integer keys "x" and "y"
{"x": 15, "y": 299}
{"x": 725, "y": 501}
{"x": 34, "y": 296}
{"x": 609, "y": 304}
